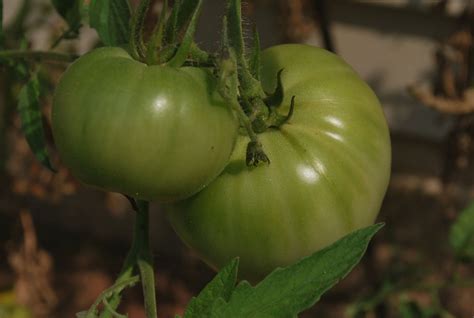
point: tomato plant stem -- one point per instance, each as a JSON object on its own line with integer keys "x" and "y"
{"x": 126, "y": 272}
{"x": 116, "y": 288}
{"x": 140, "y": 255}
{"x": 38, "y": 56}
{"x": 70, "y": 33}
{"x": 145, "y": 261}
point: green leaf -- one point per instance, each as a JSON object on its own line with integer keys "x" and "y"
{"x": 461, "y": 235}
{"x": 111, "y": 19}
{"x": 183, "y": 50}
{"x": 410, "y": 309}
{"x": 32, "y": 121}
{"x": 286, "y": 292}
{"x": 171, "y": 30}
{"x": 276, "y": 98}
{"x": 180, "y": 17}
{"x": 70, "y": 10}
{"x": 156, "y": 38}
{"x": 220, "y": 287}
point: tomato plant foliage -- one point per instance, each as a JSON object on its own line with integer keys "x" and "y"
{"x": 111, "y": 19}
{"x": 286, "y": 291}
{"x": 308, "y": 165}
{"x": 461, "y": 235}
{"x": 330, "y": 166}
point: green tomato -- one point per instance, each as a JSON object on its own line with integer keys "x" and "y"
{"x": 151, "y": 132}
{"x": 329, "y": 171}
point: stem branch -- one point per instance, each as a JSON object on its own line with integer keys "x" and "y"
{"x": 145, "y": 261}
{"x": 117, "y": 287}
{"x": 140, "y": 256}
{"x": 45, "y": 56}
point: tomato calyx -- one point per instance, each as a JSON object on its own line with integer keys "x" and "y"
{"x": 165, "y": 46}
{"x": 255, "y": 154}
{"x": 259, "y": 107}
{"x": 171, "y": 43}
{"x": 275, "y": 100}
{"x": 275, "y": 119}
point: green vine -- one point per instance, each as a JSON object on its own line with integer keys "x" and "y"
{"x": 38, "y": 56}
{"x": 116, "y": 288}
{"x": 139, "y": 257}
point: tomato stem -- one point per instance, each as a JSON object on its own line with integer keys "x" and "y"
{"x": 250, "y": 87}
{"x": 70, "y": 33}
{"x": 227, "y": 88}
{"x": 116, "y": 288}
{"x": 145, "y": 260}
{"x": 236, "y": 79}
{"x": 44, "y": 56}
{"x": 139, "y": 256}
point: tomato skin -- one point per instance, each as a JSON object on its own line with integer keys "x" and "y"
{"x": 152, "y": 132}
{"x": 329, "y": 171}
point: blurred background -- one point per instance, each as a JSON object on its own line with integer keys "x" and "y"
{"x": 62, "y": 243}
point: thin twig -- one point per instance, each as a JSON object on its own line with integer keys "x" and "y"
{"x": 117, "y": 287}
{"x": 44, "y": 56}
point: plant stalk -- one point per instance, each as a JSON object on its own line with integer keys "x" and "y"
{"x": 44, "y": 56}
{"x": 145, "y": 260}
{"x": 140, "y": 255}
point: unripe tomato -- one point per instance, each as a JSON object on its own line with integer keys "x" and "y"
{"x": 152, "y": 132}
{"x": 329, "y": 170}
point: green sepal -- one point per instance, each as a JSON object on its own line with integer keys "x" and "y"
{"x": 171, "y": 29}
{"x": 201, "y": 57}
{"x": 157, "y": 37}
{"x": 180, "y": 18}
{"x": 275, "y": 119}
{"x": 175, "y": 29}
{"x": 276, "y": 98}
{"x": 111, "y": 19}
{"x": 32, "y": 120}
{"x": 188, "y": 39}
